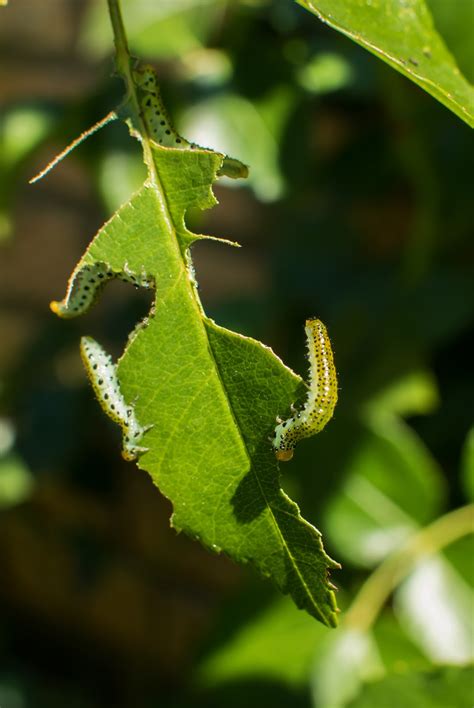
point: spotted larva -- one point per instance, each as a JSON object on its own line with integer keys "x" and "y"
{"x": 159, "y": 125}
{"x": 322, "y": 394}
{"x": 102, "y": 374}
{"x": 86, "y": 283}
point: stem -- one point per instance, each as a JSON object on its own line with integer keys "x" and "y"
{"x": 122, "y": 52}
{"x": 124, "y": 68}
{"x": 375, "y": 591}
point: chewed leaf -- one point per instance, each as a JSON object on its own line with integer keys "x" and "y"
{"x": 206, "y": 397}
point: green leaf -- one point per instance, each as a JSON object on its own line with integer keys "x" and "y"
{"x": 22, "y": 129}
{"x": 16, "y": 481}
{"x": 279, "y": 643}
{"x": 434, "y": 604}
{"x": 447, "y": 686}
{"x": 210, "y": 395}
{"x": 349, "y": 657}
{"x": 393, "y": 485}
{"x": 402, "y": 33}
{"x": 456, "y": 29}
{"x": 397, "y": 651}
{"x": 412, "y": 393}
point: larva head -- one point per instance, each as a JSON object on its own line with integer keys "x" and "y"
{"x": 145, "y": 78}
{"x": 55, "y": 307}
{"x": 233, "y": 168}
{"x": 285, "y": 439}
{"x": 283, "y": 443}
{"x": 284, "y": 455}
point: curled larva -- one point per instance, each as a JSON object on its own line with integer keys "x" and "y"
{"x": 86, "y": 283}
{"x": 160, "y": 128}
{"x": 322, "y": 394}
{"x": 102, "y": 374}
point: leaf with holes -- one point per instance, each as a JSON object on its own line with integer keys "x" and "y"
{"x": 205, "y": 398}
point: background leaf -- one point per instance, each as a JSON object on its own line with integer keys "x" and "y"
{"x": 436, "y": 689}
{"x": 467, "y": 465}
{"x": 435, "y": 605}
{"x": 377, "y": 506}
{"x": 403, "y": 34}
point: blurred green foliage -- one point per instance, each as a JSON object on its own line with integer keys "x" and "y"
{"x": 359, "y": 211}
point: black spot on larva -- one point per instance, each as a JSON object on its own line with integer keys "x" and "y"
{"x": 168, "y": 132}
{"x": 162, "y": 122}
{"x": 178, "y": 140}
{"x": 94, "y": 366}
{"x": 100, "y": 382}
{"x": 148, "y": 102}
{"x": 106, "y": 395}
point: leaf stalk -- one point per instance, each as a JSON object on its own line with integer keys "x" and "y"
{"x": 377, "y": 588}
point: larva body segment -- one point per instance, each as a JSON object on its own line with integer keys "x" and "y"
{"x": 322, "y": 395}
{"x": 159, "y": 126}
{"x": 87, "y": 282}
{"x": 102, "y": 374}
{"x": 153, "y": 111}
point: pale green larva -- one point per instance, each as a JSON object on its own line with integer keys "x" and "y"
{"x": 321, "y": 399}
{"x": 159, "y": 126}
{"x": 87, "y": 282}
{"x": 102, "y": 374}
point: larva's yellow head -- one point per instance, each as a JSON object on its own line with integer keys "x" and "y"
{"x": 145, "y": 77}
{"x": 283, "y": 455}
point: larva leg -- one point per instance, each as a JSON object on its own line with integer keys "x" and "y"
{"x": 87, "y": 282}
{"x": 102, "y": 374}
{"x": 322, "y": 394}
